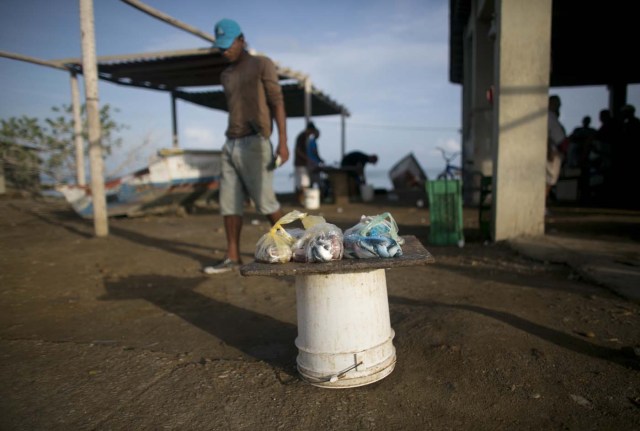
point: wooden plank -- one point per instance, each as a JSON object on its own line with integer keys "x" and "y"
{"x": 413, "y": 254}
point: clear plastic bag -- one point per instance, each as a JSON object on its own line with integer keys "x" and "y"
{"x": 373, "y": 236}
{"x": 275, "y": 245}
{"x": 321, "y": 241}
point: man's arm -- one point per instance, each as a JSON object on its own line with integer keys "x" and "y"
{"x": 281, "y": 123}
{"x": 276, "y": 105}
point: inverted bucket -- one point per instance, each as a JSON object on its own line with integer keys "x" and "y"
{"x": 344, "y": 330}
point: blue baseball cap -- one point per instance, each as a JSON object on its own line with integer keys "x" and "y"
{"x": 226, "y": 31}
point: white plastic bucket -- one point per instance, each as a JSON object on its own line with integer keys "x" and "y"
{"x": 366, "y": 192}
{"x": 344, "y": 330}
{"x": 311, "y": 198}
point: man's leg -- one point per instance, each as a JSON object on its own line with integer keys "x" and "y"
{"x": 233, "y": 227}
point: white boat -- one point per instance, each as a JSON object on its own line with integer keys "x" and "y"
{"x": 407, "y": 174}
{"x": 175, "y": 178}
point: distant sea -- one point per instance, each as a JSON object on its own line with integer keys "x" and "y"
{"x": 379, "y": 178}
{"x": 283, "y": 180}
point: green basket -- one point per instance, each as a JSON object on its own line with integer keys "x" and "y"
{"x": 445, "y": 212}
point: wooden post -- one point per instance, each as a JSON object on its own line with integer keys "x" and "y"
{"x": 90, "y": 70}
{"x": 77, "y": 130}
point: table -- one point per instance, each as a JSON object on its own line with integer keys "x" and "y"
{"x": 339, "y": 180}
{"x": 345, "y": 337}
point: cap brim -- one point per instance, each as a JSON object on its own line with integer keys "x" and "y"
{"x": 223, "y": 42}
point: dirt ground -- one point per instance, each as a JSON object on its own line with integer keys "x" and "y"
{"x": 126, "y": 333}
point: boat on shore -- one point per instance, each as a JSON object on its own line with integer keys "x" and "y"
{"x": 408, "y": 174}
{"x": 175, "y": 178}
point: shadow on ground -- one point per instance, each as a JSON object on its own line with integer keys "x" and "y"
{"x": 257, "y": 335}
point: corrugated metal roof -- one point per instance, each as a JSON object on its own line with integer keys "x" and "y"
{"x": 182, "y": 70}
{"x": 321, "y": 104}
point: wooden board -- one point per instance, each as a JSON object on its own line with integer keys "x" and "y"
{"x": 413, "y": 253}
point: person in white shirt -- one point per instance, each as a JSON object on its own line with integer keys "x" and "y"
{"x": 555, "y": 141}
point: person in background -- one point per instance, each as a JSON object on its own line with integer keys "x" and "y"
{"x": 301, "y": 161}
{"x": 254, "y": 98}
{"x": 583, "y": 143}
{"x": 606, "y": 137}
{"x": 556, "y": 140}
{"x": 314, "y": 161}
{"x": 582, "y": 139}
{"x": 356, "y": 162}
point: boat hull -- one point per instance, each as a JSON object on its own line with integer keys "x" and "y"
{"x": 176, "y": 178}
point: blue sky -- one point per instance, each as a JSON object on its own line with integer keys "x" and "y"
{"x": 386, "y": 62}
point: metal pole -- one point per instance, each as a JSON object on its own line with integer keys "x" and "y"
{"x": 174, "y": 120}
{"x": 77, "y": 130}
{"x": 90, "y": 68}
{"x": 307, "y": 100}
{"x": 343, "y": 140}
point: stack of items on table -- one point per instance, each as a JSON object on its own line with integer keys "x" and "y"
{"x": 319, "y": 241}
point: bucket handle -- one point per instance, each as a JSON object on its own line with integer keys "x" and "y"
{"x": 334, "y": 378}
{"x": 341, "y": 374}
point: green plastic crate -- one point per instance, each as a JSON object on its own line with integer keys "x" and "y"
{"x": 445, "y": 212}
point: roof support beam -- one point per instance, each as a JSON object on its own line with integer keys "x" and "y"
{"x": 170, "y": 20}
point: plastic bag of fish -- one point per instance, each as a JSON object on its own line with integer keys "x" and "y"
{"x": 320, "y": 242}
{"x": 275, "y": 245}
{"x": 373, "y": 236}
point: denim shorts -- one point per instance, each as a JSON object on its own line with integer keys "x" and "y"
{"x": 247, "y": 171}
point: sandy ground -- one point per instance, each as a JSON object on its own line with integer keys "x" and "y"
{"x": 125, "y": 332}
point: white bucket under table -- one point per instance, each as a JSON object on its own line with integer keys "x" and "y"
{"x": 311, "y": 198}
{"x": 344, "y": 331}
{"x": 366, "y": 192}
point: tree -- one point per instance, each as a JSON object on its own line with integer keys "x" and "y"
{"x": 49, "y": 143}
{"x": 19, "y": 156}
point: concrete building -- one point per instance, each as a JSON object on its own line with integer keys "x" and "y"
{"x": 507, "y": 54}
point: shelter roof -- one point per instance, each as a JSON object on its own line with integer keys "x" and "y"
{"x": 181, "y": 71}
{"x": 293, "y": 99}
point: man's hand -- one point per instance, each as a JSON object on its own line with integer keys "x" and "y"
{"x": 281, "y": 123}
{"x": 283, "y": 151}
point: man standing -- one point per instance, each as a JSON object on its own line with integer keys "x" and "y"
{"x": 356, "y": 161}
{"x": 254, "y": 97}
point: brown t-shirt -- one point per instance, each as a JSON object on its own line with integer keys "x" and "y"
{"x": 252, "y": 90}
